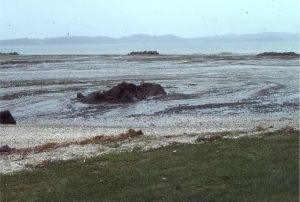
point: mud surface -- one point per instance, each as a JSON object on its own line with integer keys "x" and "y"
{"x": 42, "y": 90}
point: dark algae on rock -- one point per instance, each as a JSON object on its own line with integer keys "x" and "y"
{"x": 123, "y": 93}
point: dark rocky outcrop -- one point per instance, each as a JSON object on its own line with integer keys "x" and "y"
{"x": 123, "y": 93}
{"x": 278, "y": 54}
{"x": 11, "y": 53}
{"x": 6, "y": 118}
{"x": 6, "y": 148}
{"x": 145, "y": 53}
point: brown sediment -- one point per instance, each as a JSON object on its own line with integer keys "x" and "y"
{"x": 102, "y": 138}
{"x": 41, "y": 148}
{"x": 259, "y": 129}
{"x": 285, "y": 130}
{"x": 289, "y": 129}
{"x": 93, "y": 140}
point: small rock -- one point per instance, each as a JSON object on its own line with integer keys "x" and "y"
{"x": 6, "y": 148}
{"x": 6, "y": 118}
{"x": 259, "y": 129}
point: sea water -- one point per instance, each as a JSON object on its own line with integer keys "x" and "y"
{"x": 171, "y": 48}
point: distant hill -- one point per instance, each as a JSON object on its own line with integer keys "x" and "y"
{"x": 257, "y": 38}
{"x": 58, "y": 41}
{"x": 143, "y": 38}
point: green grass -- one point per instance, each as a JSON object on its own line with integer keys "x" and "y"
{"x": 246, "y": 169}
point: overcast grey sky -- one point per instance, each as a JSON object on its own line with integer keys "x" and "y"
{"x": 117, "y": 18}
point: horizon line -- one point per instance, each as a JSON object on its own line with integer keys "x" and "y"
{"x": 152, "y": 35}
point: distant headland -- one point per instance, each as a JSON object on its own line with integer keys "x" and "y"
{"x": 143, "y": 38}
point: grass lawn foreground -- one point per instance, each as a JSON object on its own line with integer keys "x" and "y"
{"x": 246, "y": 169}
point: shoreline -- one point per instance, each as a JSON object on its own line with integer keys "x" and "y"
{"x": 52, "y": 135}
{"x": 28, "y": 135}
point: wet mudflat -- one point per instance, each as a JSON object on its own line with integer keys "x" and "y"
{"x": 41, "y": 90}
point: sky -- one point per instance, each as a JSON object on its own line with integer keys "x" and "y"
{"x": 117, "y": 18}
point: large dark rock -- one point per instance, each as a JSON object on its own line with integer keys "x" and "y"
{"x": 278, "y": 54}
{"x": 6, "y": 118}
{"x": 151, "y": 89}
{"x": 123, "y": 93}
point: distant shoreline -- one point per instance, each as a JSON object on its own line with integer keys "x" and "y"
{"x": 288, "y": 55}
{"x": 162, "y": 48}
{"x": 151, "y": 39}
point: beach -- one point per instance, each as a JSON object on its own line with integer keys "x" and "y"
{"x": 205, "y": 93}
